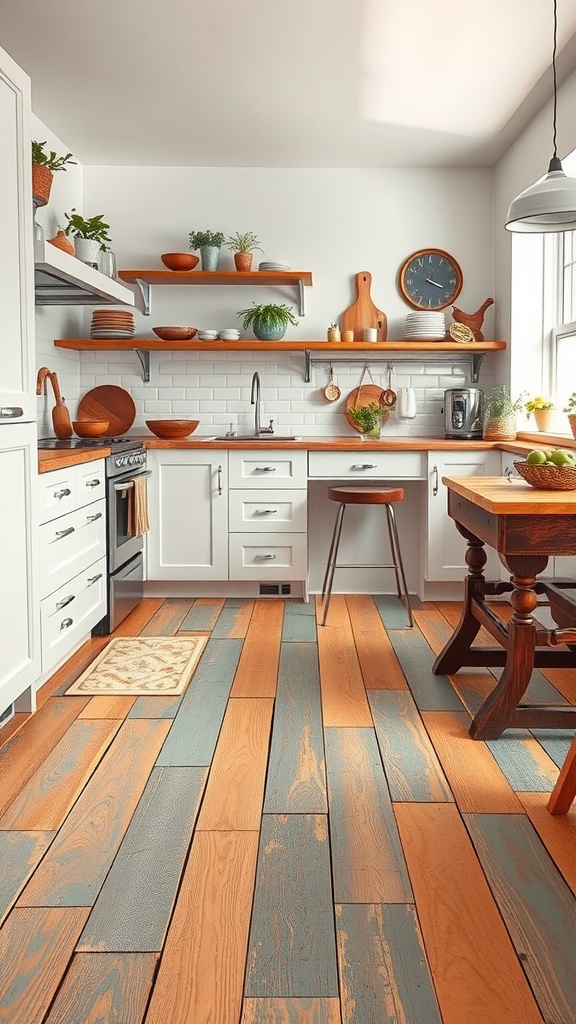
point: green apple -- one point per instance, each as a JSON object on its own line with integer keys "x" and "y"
{"x": 560, "y": 458}
{"x": 536, "y": 458}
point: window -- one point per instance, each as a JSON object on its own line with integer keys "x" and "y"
{"x": 563, "y": 332}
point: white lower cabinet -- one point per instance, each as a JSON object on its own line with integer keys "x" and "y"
{"x": 188, "y": 505}
{"x": 445, "y": 547}
{"x": 72, "y": 541}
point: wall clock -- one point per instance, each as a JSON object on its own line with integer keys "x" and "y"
{"x": 430, "y": 279}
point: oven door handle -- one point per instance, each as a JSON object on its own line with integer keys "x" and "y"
{"x": 130, "y": 483}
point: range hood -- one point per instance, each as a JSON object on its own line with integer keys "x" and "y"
{"x": 63, "y": 280}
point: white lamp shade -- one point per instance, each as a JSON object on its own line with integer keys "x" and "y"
{"x": 549, "y": 205}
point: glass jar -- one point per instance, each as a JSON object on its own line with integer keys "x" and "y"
{"x": 107, "y": 263}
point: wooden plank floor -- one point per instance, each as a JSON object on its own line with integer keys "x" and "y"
{"x": 307, "y": 835}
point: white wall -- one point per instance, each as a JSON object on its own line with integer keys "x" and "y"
{"x": 334, "y": 222}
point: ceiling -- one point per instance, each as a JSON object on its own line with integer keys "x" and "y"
{"x": 288, "y": 83}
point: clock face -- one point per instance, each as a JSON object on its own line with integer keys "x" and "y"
{"x": 430, "y": 279}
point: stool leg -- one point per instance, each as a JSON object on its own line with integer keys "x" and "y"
{"x": 397, "y": 556}
{"x": 393, "y": 551}
{"x": 331, "y": 564}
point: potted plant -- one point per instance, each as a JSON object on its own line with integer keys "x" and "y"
{"x": 44, "y": 166}
{"x": 500, "y": 412}
{"x": 369, "y": 418}
{"x": 268, "y": 321}
{"x": 542, "y": 410}
{"x": 209, "y": 243}
{"x": 243, "y": 246}
{"x": 571, "y": 410}
{"x": 90, "y": 235}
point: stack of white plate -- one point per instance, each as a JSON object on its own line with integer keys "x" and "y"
{"x": 429, "y": 326}
{"x": 208, "y": 335}
{"x": 112, "y": 323}
{"x": 274, "y": 265}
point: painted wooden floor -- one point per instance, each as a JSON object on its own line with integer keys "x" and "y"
{"x": 307, "y": 836}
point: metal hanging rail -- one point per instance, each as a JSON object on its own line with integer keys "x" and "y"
{"x": 473, "y": 358}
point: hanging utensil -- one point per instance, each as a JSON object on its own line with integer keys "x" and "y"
{"x": 388, "y": 395}
{"x": 331, "y": 391}
{"x": 364, "y": 394}
{"x": 60, "y": 415}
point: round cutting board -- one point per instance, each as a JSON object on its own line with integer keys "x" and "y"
{"x": 108, "y": 402}
{"x": 364, "y": 395}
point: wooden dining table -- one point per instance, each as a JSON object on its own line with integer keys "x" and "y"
{"x": 526, "y": 527}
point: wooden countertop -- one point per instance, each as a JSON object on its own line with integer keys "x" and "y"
{"x": 51, "y": 460}
{"x": 516, "y": 497}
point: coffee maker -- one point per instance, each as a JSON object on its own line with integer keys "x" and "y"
{"x": 463, "y": 410}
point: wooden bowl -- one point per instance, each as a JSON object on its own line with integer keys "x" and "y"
{"x": 179, "y": 260}
{"x": 171, "y": 429}
{"x": 91, "y": 428}
{"x": 548, "y": 478}
{"x": 175, "y": 333}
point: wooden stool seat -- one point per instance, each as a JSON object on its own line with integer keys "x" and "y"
{"x": 386, "y": 496}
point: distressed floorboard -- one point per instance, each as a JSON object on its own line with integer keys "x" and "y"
{"x": 203, "y": 615}
{"x": 378, "y": 661}
{"x": 234, "y": 619}
{"x": 20, "y": 852}
{"x": 538, "y": 907}
{"x": 296, "y": 777}
{"x": 412, "y": 768}
{"x": 299, "y": 624}
{"x": 291, "y": 1011}
{"x": 523, "y": 761}
{"x": 257, "y": 672}
{"x": 558, "y": 833}
{"x": 344, "y": 700}
{"x": 430, "y": 692}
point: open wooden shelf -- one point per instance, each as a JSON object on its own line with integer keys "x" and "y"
{"x": 233, "y": 277}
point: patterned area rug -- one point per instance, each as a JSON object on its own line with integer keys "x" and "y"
{"x": 142, "y": 665}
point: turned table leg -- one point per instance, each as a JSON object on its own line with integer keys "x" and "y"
{"x": 453, "y": 655}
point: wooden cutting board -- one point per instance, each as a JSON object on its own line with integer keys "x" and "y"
{"x": 363, "y": 395}
{"x": 363, "y": 313}
{"x": 109, "y": 402}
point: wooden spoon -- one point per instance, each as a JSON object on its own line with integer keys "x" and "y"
{"x": 60, "y": 415}
{"x": 332, "y": 391}
{"x": 388, "y": 395}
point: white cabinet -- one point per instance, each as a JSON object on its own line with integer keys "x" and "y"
{"x": 19, "y": 600}
{"x": 72, "y": 537}
{"x": 188, "y": 504}
{"x": 268, "y": 515}
{"x": 445, "y": 547}
{"x": 369, "y": 465}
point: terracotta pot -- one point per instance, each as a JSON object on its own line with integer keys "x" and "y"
{"x": 243, "y": 260}
{"x": 61, "y": 241}
{"x": 41, "y": 183}
{"x": 544, "y": 419}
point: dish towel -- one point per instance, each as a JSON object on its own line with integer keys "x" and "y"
{"x": 138, "y": 507}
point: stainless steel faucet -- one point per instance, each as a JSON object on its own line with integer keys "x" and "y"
{"x": 255, "y": 401}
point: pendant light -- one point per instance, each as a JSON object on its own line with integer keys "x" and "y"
{"x": 550, "y": 204}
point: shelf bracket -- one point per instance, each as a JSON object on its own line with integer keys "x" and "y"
{"x": 475, "y": 364}
{"x": 144, "y": 357}
{"x": 301, "y": 297}
{"x": 145, "y": 292}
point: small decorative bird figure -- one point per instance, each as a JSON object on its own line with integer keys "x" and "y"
{"x": 473, "y": 320}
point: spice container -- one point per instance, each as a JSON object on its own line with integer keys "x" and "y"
{"x": 333, "y": 333}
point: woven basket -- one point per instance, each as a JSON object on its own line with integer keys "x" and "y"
{"x": 41, "y": 183}
{"x": 548, "y": 478}
{"x": 572, "y": 421}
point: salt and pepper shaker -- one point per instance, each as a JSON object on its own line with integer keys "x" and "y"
{"x": 333, "y": 333}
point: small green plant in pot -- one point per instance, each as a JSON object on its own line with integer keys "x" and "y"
{"x": 243, "y": 247}
{"x": 44, "y": 166}
{"x": 90, "y": 235}
{"x": 268, "y": 321}
{"x": 369, "y": 418}
{"x": 209, "y": 243}
{"x": 500, "y": 412}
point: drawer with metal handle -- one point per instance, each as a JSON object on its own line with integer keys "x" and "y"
{"x": 267, "y": 511}
{"x": 277, "y": 469}
{"x": 70, "y": 543}
{"x": 277, "y": 556}
{"x": 69, "y": 613}
{"x": 372, "y": 465}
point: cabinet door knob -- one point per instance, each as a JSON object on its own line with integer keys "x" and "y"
{"x": 94, "y": 579}
{"x": 435, "y": 481}
{"x": 66, "y": 623}
{"x": 265, "y": 469}
{"x": 266, "y": 558}
{"x": 93, "y": 483}
{"x": 65, "y": 600}
{"x": 265, "y": 511}
{"x": 11, "y": 412}
{"x": 364, "y": 465}
{"x": 64, "y": 493}
{"x": 92, "y": 519}
{"x": 64, "y": 533}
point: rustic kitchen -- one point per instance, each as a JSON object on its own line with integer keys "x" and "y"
{"x": 176, "y": 470}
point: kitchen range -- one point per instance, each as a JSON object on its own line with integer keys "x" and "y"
{"x": 124, "y": 548}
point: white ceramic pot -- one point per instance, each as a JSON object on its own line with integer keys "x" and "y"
{"x": 87, "y": 250}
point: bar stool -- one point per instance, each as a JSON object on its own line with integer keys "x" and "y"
{"x": 385, "y": 496}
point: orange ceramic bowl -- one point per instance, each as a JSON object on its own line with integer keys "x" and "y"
{"x": 91, "y": 428}
{"x": 172, "y": 429}
{"x": 179, "y": 260}
{"x": 175, "y": 333}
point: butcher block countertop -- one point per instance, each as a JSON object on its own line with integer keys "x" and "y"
{"x": 500, "y": 496}
{"x": 52, "y": 460}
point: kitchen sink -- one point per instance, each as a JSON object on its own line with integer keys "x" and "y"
{"x": 239, "y": 438}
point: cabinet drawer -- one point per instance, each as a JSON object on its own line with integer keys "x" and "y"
{"x": 57, "y": 493}
{"x": 70, "y": 543}
{"x": 278, "y": 556}
{"x": 90, "y": 482}
{"x": 268, "y": 511}
{"x": 71, "y": 612}
{"x": 267, "y": 468}
{"x": 368, "y": 465}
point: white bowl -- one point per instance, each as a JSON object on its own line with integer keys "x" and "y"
{"x": 230, "y": 335}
